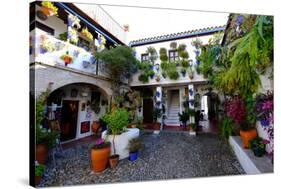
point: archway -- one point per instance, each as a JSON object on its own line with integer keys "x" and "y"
{"x": 74, "y": 107}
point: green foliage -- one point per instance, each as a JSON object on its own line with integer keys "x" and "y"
{"x": 117, "y": 120}
{"x": 197, "y": 43}
{"x": 183, "y": 117}
{"x": 173, "y": 45}
{"x": 135, "y": 144}
{"x": 184, "y": 63}
{"x": 181, "y": 47}
{"x": 119, "y": 62}
{"x": 191, "y": 112}
{"x": 163, "y": 54}
{"x": 39, "y": 169}
{"x": 157, "y": 113}
{"x": 152, "y": 54}
{"x": 252, "y": 52}
{"x": 143, "y": 78}
{"x": 226, "y": 127}
{"x": 184, "y": 54}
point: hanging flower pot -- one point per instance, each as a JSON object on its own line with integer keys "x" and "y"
{"x": 85, "y": 64}
{"x": 264, "y": 122}
{"x": 49, "y": 9}
{"x": 66, "y": 58}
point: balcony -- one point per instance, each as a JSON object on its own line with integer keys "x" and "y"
{"x": 55, "y": 52}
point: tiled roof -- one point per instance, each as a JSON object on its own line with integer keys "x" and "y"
{"x": 174, "y": 36}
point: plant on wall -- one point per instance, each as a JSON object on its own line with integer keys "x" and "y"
{"x": 152, "y": 54}
{"x": 163, "y": 54}
{"x": 147, "y": 72}
{"x": 119, "y": 62}
{"x": 173, "y": 45}
{"x": 85, "y": 32}
{"x": 49, "y": 9}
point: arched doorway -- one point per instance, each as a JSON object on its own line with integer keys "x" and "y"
{"x": 74, "y": 107}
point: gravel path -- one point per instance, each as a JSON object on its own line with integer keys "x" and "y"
{"x": 165, "y": 156}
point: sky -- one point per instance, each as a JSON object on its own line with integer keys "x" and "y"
{"x": 145, "y": 22}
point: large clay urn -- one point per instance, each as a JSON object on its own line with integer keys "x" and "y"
{"x": 41, "y": 153}
{"x": 100, "y": 158}
{"x": 247, "y": 136}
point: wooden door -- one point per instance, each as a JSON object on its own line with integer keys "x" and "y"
{"x": 147, "y": 111}
{"x": 69, "y": 115}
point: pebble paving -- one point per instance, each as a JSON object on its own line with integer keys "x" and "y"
{"x": 165, "y": 156}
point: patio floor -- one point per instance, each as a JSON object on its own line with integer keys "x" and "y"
{"x": 165, "y": 156}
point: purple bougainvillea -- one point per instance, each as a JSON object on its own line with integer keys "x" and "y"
{"x": 236, "y": 109}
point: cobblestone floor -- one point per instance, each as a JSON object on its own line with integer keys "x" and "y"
{"x": 165, "y": 156}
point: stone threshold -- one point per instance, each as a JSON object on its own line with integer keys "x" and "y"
{"x": 249, "y": 162}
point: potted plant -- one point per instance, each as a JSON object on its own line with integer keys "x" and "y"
{"x": 190, "y": 73}
{"x": 157, "y": 113}
{"x": 66, "y": 58}
{"x": 183, "y": 117}
{"x": 100, "y": 152}
{"x": 192, "y": 128}
{"x": 157, "y": 78}
{"x": 39, "y": 171}
{"x": 49, "y": 9}
{"x": 95, "y": 126}
{"x": 117, "y": 121}
{"x": 151, "y": 74}
{"x": 183, "y": 72}
{"x": 85, "y": 32}
{"x": 257, "y": 145}
{"x": 134, "y": 146}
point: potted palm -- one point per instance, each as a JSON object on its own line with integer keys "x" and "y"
{"x": 100, "y": 152}
{"x": 39, "y": 171}
{"x": 117, "y": 121}
{"x": 183, "y": 118}
{"x": 135, "y": 145}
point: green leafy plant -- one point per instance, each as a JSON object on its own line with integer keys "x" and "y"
{"x": 117, "y": 121}
{"x": 157, "y": 113}
{"x": 39, "y": 169}
{"x": 183, "y": 117}
{"x": 144, "y": 78}
{"x": 226, "y": 127}
{"x": 163, "y": 54}
{"x": 173, "y": 45}
{"x": 152, "y": 54}
{"x": 135, "y": 144}
{"x": 257, "y": 145}
{"x": 119, "y": 62}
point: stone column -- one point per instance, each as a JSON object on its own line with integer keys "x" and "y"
{"x": 191, "y": 101}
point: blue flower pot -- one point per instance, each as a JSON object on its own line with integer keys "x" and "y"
{"x": 264, "y": 122}
{"x": 133, "y": 156}
{"x": 42, "y": 50}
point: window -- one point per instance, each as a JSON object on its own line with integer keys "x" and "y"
{"x": 173, "y": 55}
{"x": 144, "y": 57}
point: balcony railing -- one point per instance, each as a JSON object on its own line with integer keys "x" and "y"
{"x": 97, "y": 13}
{"x": 55, "y": 52}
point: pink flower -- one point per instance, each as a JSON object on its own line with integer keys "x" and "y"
{"x": 99, "y": 141}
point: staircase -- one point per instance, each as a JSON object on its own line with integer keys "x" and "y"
{"x": 173, "y": 110}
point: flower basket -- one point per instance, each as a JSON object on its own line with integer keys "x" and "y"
{"x": 49, "y": 9}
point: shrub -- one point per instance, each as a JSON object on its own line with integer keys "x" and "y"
{"x": 117, "y": 120}
{"x": 135, "y": 144}
{"x": 39, "y": 169}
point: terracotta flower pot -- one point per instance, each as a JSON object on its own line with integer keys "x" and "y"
{"x": 247, "y": 136}
{"x": 38, "y": 180}
{"x": 156, "y": 126}
{"x": 47, "y": 11}
{"x": 41, "y": 153}
{"x": 67, "y": 60}
{"x": 99, "y": 158}
{"x": 95, "y": 126}
{"x": 113, "y": 160}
